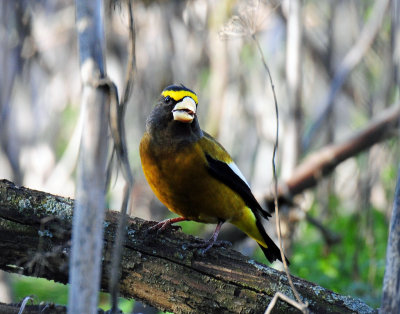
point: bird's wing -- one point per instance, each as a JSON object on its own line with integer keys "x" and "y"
{"x": 221, "y": 166}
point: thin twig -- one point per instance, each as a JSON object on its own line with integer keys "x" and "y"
{"x": 301, "y": 306}
{"x": 278, "y": 226}
{"x": 330, "y": 237}
{"x": 243, "y": 25}
{"x": 131, "y": 58}
{"x": 120, "y": 148}
{"x": 24, "y": 303}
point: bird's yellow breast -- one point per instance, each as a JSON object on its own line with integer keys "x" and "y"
{"x": 180, "y": 179}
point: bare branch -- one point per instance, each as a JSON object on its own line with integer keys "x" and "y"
{"x": 117, "y": 126}
{"x": 276, "y": 144}
{"x": 324, "y": 161}
{"x": 278, "y": 295}
{"x": 33, "y": 309}
{"x": 91, "y": 180}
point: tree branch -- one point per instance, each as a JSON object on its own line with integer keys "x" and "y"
{"x": 323, "y": 162}
{"x": 91, "y": 171}
{"x": 157, "y": 269}
{"x": 34, "y": 309}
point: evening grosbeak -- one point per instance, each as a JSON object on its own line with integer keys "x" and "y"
{"x": 194, "y": 176}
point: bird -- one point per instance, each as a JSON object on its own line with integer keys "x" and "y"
{"x": 194, "y": 176}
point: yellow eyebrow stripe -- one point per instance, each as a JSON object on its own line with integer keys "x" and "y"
{"x": 179, "y": 94}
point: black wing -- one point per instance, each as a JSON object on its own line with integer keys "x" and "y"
{"x": 226, "y": 175}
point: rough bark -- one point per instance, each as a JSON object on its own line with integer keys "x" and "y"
{"x": 157, "y": 269}
{"x": 33, "y": 309}
{"x": 391, "y": 282}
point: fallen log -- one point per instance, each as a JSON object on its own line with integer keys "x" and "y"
{"x": 160, "y": 270}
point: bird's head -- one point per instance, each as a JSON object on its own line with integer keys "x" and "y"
{"x": 175, "y": 113}
{"x": 182, "y": 101}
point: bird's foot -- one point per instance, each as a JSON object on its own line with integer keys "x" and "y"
{"x": 162, "y": 225}
{"x": 204, "y": 245}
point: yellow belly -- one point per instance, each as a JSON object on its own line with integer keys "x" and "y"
{"x": 180, "y": 179}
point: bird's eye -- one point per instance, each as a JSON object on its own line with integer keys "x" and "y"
{"x": 167, "y": 99}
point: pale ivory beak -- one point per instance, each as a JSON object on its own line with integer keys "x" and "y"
{"x": 185, "y": 110}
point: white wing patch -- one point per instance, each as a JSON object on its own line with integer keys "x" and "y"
{"x": 236, "y": 170}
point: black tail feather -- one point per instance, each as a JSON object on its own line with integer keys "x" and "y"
{"x": 271, "y": 252}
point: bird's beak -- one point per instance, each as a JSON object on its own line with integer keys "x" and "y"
{"x": 185, "y": 110}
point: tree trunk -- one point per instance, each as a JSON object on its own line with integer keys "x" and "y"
{"x": 391, "y": 282}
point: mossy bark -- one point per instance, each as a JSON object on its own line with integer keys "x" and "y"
{"x": 158, "y": 269}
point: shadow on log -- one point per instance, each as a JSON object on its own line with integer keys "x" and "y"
{"x": 159, "y": 270}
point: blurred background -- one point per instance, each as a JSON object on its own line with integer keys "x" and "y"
{"x": 336, "y": 233}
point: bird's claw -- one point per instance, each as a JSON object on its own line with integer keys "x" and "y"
{"x": 163, "y": 225}
{"x": 223, "y": 243}
{"x": 205, "y": 243}
{"x": 203, "y": 246}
